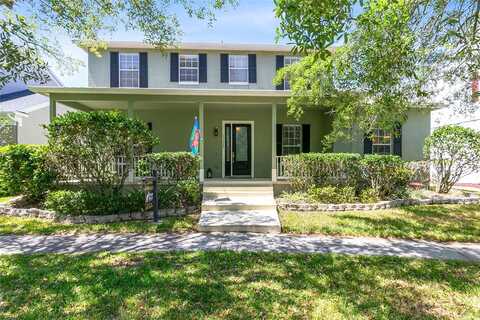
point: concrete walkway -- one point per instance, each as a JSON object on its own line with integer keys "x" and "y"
{"x": 11, "y": 244}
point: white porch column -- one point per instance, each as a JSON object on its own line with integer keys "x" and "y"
{"x": 131, "y": 115}
{"x": 53, "y": 107}
{"x": 201, "y": 120}
{"x": 274, "y": 142}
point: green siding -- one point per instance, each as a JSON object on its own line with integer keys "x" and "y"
{"x": 414, "y": 132}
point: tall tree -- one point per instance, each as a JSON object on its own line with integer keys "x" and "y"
{"x": 28, "y": 28}
{"x": 368, "y": 61}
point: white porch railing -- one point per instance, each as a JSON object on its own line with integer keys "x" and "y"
{"x": 120, "y": 166}
{"x": 281, "y": 167}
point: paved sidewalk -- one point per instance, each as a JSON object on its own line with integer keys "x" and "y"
{"x": 12, "y": 244}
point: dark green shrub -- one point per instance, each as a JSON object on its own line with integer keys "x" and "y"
{"x": 176, "y": 166}
{"x": 182, "y": 194}
{"x": 24, "y": 170}
{"x": 77, "y": 202}
{"x": 84, "y": 146}
{"x": 368, "y": 195}
{"x": 322, "y": 169}
{"x": 189, "y": 192}
{"x": 387, "y": 175}
{"x": 332, "y": 194}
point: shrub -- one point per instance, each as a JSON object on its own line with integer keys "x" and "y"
{"x": 387, "y": 175}
{"x": 182, "y": 194}
{"x": 454, "y": 152}
{"x": 332, "y": 194}
{"x": 176, "y": 166}
{"x": 24, "y": 170}
{"x": 83, "y": 146}
{"x": 368, "y": 195}
{"x": 88, "y": 202}
{"x": 322, "y": 169}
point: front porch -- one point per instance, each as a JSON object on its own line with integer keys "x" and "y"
{"x": 238, "y": 128}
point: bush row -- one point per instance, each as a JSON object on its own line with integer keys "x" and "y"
{"x": 176, "y": 166}
{"x": 24, "y": 170}
{"x": 385, "y": 176}
{"x": 89, "y": 202}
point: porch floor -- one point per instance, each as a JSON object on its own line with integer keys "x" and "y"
{"x": 239, "y": 206}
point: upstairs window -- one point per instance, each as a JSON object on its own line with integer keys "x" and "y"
{"x": 188, "y": 69}
{"x": 291, "y": 139}
{"x": 381, "y": 142}
{"x": 129, "y": 70}
{"x": 238, "y": 69}
{"x": 286, "y": 62}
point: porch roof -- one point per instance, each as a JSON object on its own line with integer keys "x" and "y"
{"x": 88, "y": 98}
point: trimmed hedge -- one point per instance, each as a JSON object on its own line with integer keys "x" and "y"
{"x": 322, "y": 169}
{"x": 24, "y": 170}
{"x": 384, "y": 176}
{"x": 85, "y": 202}
{"x": 177, "y": 166}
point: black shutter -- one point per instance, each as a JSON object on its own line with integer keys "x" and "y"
{"x": 173, "y": 67}
{"x": 150, "y": 127}
{"x": 114, "y": 69}
{"x": 305, "y": 138}
{"x": 367, "y": 144}
{"x": 279, "y": 139}
{"x": 397, "y": 141}
{"x": 252, "y": 68}
{"x": 202, "y": 67}
{"x": 224, "y": 67}
{"x": 279, "y": 65}
{"x": 143, "y": 70}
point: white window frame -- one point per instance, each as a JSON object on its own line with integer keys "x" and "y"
{"x": 285, "y": 126}
{"x": 190, "y": 68}
{"x": 230, "y": 68}
{"x": 292, "y": 60}
{"x": 376, "y": 133}
{"x": 120, "y": 69}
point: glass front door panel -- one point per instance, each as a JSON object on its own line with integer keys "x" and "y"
{"x": 241, "y": 144}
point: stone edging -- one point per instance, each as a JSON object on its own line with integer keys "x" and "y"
{"x": 89, "y": 219}
{"x": 292, "y": 206}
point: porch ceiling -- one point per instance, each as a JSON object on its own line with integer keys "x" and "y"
{"x": 148, "y": 98}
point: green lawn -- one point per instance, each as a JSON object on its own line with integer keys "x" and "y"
{"x": 16, "y": 225}
{"x": 439, "y": 223}
{"x": 5, "y": 199}
{"x": 229, "y": 285}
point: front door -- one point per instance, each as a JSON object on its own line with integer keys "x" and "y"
{"x": 238, "y": 149}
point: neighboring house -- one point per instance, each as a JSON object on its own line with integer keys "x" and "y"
{"x": 245, "y": 129}
{"x": 26, "y": 111}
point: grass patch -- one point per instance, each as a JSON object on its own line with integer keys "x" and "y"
{"x": 436, "y": 222}
{"x": 5, "y": 199}
{"x": 221, "y": 285}
{"x": 16, "y": 225}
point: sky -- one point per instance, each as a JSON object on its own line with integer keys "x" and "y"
{"x": 252, "y": 21}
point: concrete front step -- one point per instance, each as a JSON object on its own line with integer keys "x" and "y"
{"x": 239, "y": 207}
{"x": 261, "y": 221}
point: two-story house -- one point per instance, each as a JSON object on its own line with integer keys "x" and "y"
{"x": 245, "y": 129}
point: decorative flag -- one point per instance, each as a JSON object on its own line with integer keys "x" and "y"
{"x": 195, "y": 138}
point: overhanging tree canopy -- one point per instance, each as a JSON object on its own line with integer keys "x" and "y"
{"x": 28, "y": 28}
{"x": 390, "y": 55}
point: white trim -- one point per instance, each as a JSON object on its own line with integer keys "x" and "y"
{"x": 383, "y": 144}
{"x": 198, "y": 69}
{"x": 285, "y": 80}
{"x": 119, "y": 69}
{"x": 243, "y": 83}
{"x": 252, "y": 157}
{"x": 297, "y": 125}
